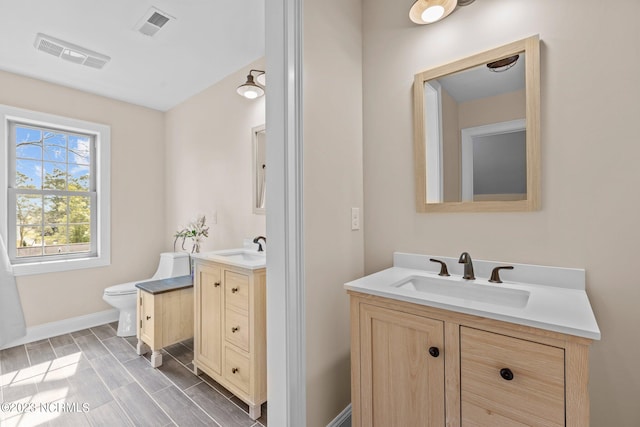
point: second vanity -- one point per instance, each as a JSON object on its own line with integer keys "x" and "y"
{"x": 230, "y": 322}
{"x": 430, "y": 350}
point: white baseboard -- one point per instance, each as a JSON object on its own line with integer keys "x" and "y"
{"x": 60, "y": 327}
{"x": 342, "y": 418}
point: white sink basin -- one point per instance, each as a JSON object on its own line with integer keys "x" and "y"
{"x": 488, "y": 294}
{"x": 243, "y": 256}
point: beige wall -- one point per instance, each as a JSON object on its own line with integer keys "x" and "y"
{"x": 332, "y": 185}
{"x": 589, "y": 211}
{"x": 137, "y": 196}
{"x": 494, "y": 109}
{"x": 209, "y": 163}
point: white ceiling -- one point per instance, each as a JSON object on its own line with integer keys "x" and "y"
{"x": 208, "y": 40}
{"x": 480, "y": 82}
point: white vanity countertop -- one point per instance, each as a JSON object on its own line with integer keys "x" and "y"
{"x": 557, "y": 298}
{"x": 240, "y": 257}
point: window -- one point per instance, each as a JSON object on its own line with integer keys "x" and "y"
{"x": 56, "y": 215}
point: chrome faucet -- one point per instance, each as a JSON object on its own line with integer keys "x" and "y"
{"x": 257, "y": 240}
{"x": 465, "y": 259}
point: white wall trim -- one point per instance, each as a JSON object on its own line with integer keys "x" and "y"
{"x": 433, "y": 132}
{"x": 286, "y": 349}
{"x": 60, "y": 327}
{"x": 467, "y": 136}
{"x": 341, "y": 418}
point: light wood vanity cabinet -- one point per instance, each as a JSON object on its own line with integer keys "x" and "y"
{"x": 230, "y": 329}
{"x": 485, "y": 373}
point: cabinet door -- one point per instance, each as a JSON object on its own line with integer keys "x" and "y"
{"x": 209, "y": 318}
{"x": 147, "y": 318}
{"x": 402, "y": 383}
{"x": 530, "y": 393}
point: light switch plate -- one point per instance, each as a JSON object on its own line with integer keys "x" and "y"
{"x": 355, "y": 218}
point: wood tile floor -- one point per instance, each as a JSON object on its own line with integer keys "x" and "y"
{"x": 95, "y": 378}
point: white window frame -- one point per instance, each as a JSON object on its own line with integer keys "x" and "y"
{"x": 102, "y": 134}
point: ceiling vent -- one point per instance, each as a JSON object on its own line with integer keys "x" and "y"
{"x": 152, "y": 21}
{"x": 70, "y": 52}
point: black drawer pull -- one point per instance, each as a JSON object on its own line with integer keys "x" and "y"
{"x": 216, "y": 284}
{"x": 506, "y": 374}
{"x": 434, "y": 351}
{"x": 234, "y": 290}
{"x": 234, "y": 370}
{"x": 235, "y": 329}
{"x": 148, "y": 317}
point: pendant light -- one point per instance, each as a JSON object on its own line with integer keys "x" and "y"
{"x": 250, "y": 89}
{"x": 430, "y": 11}
{"x": 503, "y": 64}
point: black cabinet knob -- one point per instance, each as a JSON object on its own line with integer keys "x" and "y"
{"x": 434, "y": 351}
{"x": 148, "y": 317}
{"x": 506, "y": 374}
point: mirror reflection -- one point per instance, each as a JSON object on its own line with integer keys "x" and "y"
{"x": 474, "y": 149}
{"x": 477, "y": 123}
{"x": 259, "y": 138}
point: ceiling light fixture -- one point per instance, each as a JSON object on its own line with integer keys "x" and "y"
{"x": 503, "y": 64}
{"x": 430, "y": 11}
{"x": 250, "y": 89}
{"x": 70, "y": 52}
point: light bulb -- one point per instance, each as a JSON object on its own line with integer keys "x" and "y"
{"x": 432, "y": 14}
{"x": 251, "y": 94}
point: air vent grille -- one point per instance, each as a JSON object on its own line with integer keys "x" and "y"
{"x": 95, "y": 62}
{"x": 152, "y": 21}
{"x": 158, "y": 20}
{"x": 52, "y": 48}
{"x": 70, "y": 52}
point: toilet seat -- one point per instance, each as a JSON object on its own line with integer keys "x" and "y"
{"x": 122, "y": 289}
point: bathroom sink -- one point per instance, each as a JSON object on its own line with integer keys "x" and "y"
{"x": 243, "y": 256}
{"x": 488, "y": 294}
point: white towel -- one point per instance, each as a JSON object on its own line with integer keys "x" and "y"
{"x": 12, "y": 325}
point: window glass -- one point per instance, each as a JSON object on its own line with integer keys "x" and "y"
{"x": 52, "y": 192}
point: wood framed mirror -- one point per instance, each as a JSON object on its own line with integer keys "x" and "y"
{"x": 477, "y": 132}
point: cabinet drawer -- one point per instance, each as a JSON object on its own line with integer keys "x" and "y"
{"x": 236, "y": 288}
{"x": 530, "y": 393}
{"x": 236, "y": 369}
{"x": 237, "y": 329}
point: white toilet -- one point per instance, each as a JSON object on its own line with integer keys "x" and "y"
{"x": 123, "y": 296}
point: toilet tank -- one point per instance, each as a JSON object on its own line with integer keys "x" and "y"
{"x": 172, "y": 264}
